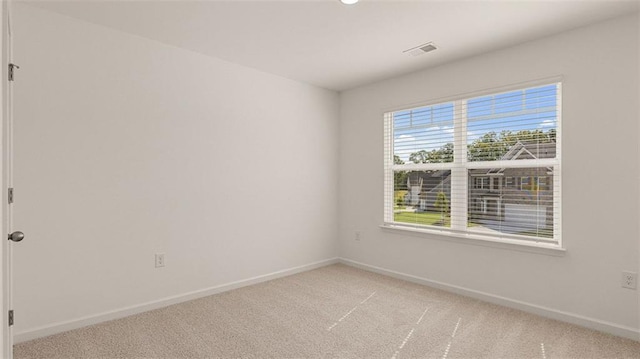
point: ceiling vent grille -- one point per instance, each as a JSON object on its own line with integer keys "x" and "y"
{"x": 422, "y": 49}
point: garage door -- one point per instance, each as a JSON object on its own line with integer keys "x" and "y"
{"x": 525, "y": 216}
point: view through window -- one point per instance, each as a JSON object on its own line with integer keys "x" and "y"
{"x": 487, "y": 165}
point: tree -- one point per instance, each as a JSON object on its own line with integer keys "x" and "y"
{"x": 419, "y": 157}
{"x": 489, "y": 147}
{"x": 442, "y": 204}
{"x": 399, "y": 177}
{"x": 492, "y": 146}
{"x": 443, "y": 154}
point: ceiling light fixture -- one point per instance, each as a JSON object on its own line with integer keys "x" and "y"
{"x": 348, "y": 2}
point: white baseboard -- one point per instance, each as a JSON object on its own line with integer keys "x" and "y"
{"x": 60, "y": 327}
{"x": 572, "y": 318}
{"x": 591, "y": 323}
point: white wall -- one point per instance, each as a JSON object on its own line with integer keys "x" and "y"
{"x": 600, "y": 171}
{"x": 126, "y": 147}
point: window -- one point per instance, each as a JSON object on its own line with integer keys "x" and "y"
{"x": 509, "y": 182}
{"x": 481, "y": 182}
{"x": 542, "y": 183}
{"x": 536, "y": 183}
{"x": 480, "y": 166}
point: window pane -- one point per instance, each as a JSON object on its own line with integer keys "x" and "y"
{"x": 424, "y": 135}
{"x": 422, "y": 197}
{"x": 541, "y": 97}
{"x": 513, "y": 126}
{"x": 505, "y": 208}
{"x": 426, "y": 186}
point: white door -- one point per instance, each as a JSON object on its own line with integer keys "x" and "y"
{"x": 7, "y": 168}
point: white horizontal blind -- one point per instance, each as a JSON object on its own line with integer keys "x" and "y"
{"x": 487, "y": 165}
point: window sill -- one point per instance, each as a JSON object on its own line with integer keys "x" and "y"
{"x": 479, "y": 240}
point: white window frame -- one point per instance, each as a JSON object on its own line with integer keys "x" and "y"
{"x": 480, "y": 182}
{"x": 509, "y": 182}
{"x": 529, "y": 180}
{"x": 541, "y": 182}
{"x": 460, "y": 168}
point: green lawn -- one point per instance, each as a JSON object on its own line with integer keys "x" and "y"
{"x": 425, "y": 218}
{"x": 435, "y": 219}
{"x": 543, "y": 233}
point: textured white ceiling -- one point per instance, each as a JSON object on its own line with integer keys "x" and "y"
{"x": 335, "y": 46}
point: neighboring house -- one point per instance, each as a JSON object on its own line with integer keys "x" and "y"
{"x": 423, "y": 188}
{"x": 520, "y": 196}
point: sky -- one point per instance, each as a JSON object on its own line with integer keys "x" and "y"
{"x": 431, "y": 127}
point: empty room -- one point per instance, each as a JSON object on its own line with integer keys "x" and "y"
{"x": 320, "y": 179}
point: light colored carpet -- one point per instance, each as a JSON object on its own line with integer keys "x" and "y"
{"x": 332, "y": 312}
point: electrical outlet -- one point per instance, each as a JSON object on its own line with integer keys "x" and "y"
{"x": 357, "y": 237}
{"x": 159, "y": 260}
{"x": 629, "y": 280}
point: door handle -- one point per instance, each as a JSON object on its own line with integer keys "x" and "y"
{"x": 16, "y": 236}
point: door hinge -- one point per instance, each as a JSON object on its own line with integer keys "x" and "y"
{"x": 12, "y": 68}
{"x": 10, "y": 195}
{"x": 10, "y": 317}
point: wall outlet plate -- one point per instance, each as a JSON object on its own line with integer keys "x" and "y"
{"x": 159, "y": 260}
{"x": 629, "y": 280}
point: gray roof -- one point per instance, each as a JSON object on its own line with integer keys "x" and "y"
{"x": 530, "y": 150}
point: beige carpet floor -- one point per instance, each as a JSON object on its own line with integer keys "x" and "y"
{"x": 332, "y": 312}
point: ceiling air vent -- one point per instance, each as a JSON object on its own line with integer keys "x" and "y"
{"x": 422, "y": 49}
